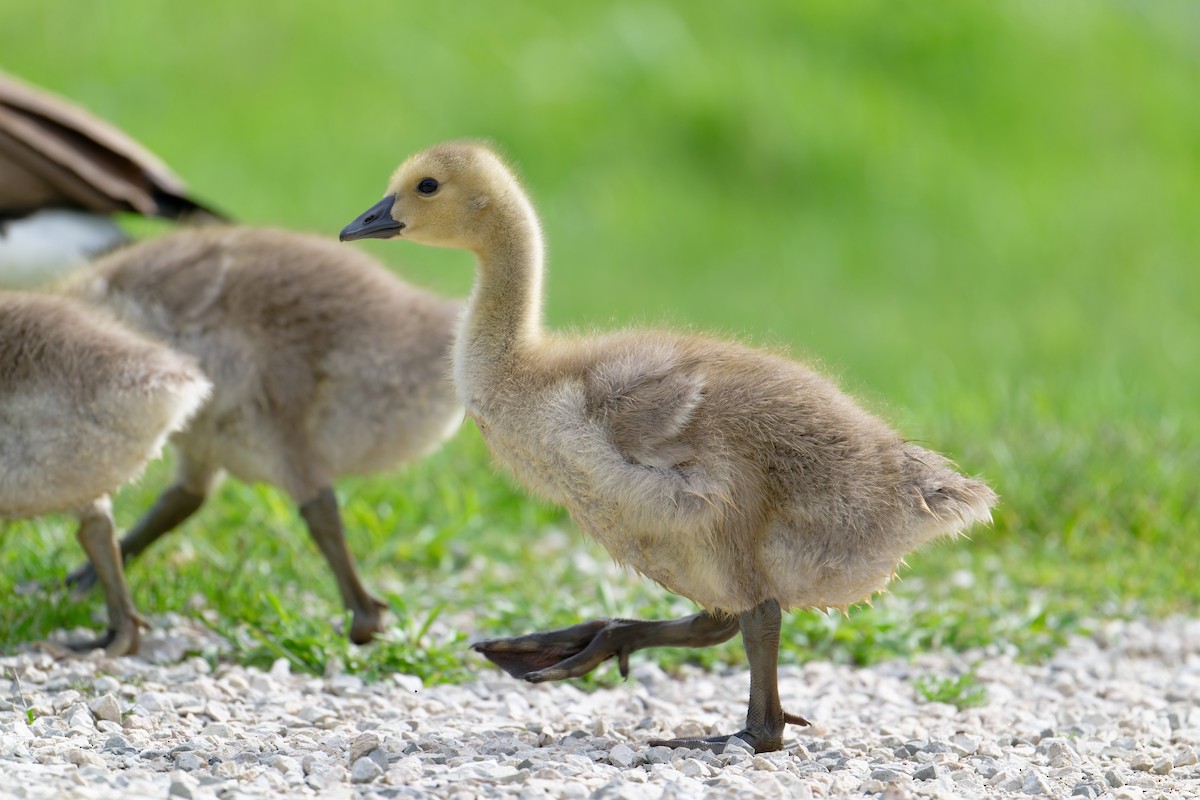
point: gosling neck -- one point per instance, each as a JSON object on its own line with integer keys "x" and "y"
{"x": 504, "y": 313}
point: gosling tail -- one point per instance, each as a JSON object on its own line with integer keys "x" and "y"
{"x": 949, "y": 500}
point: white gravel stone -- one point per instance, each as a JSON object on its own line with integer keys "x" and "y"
{"x": 622, "y": 756}
{"x": 926, "y": 772}
{"x": 154, "y": 702}
{"x": 180, "y": 788}
{"x": 81, "y": 757}
{"x": 106, "y": 707}
{"x": 79, "y": 717}
{"x": 105, "y": 684}
{"x": 188, "y": 762}
{"x": 363, "y": 745}
{"x": 736, "y": 744}
{"x": 1142, "y": 762}
{"x": 364, "y": 770}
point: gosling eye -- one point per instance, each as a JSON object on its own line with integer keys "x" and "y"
{"x": 427, "y": 186}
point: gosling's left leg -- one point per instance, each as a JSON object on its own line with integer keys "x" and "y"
{"x": 98, "y": 536}
{"x": 765, "y": 717}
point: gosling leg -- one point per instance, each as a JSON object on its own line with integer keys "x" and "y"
{"x": 577, "y": 650}
{"x": 325, "y": 526}
{"x": 169, "y": 511}
{"x": 765, "y": 716}
{"x": 98, "y": 536}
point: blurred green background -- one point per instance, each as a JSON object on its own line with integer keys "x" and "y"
{"x": 982, "y": 218}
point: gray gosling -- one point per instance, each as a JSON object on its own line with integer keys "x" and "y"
{"x": 734, "y": 477}
{"x": 322, "y": 363}
{"x": 63, "y": 174}
{"x": 84, "y": 404}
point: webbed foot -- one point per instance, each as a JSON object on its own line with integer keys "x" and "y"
{"x": 555, "y": 655}
{"x": 760, "y": 740}
{"x": 577, "y": 650}
{"x": 121, "y": 639}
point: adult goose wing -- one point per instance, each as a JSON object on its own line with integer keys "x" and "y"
{"x": 55, "y": 154}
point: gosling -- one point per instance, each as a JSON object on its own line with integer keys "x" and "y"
{"x": 322, "y": 363}
{"x": 737, "y": 478}
{"x": 84, "y": 404}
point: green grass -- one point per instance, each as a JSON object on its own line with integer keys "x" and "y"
{"x": 963, "y": 691}
{"x": 980, "y": 218}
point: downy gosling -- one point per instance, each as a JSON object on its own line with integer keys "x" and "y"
{"x": 322, "y": 362}
{"x": 734, "y": 477}
{"x": 84, "y": 404}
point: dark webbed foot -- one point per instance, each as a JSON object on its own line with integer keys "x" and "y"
{"x": 114, "y": 642}
{"x": 761, "y": 740}
{"x": 531, "y": 656}
{"x": 367, "y": 622}
{"x": 577, "y": 650}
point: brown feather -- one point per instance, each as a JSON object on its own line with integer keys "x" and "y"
{"x": 55, "y": 154}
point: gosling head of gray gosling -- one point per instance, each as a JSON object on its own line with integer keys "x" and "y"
{"x": 446, "y": 196}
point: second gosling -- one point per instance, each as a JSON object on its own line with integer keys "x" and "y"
{"x": 322, "y": 363}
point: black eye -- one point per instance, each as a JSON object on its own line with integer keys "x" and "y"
{"x": 427, "y": 186}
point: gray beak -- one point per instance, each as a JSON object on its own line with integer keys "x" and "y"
{"x": 374, "y": 223}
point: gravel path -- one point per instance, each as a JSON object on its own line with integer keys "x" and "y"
{"x": 1116, "y": 715}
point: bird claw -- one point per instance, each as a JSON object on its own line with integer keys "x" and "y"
{"x": 795, "y": 719}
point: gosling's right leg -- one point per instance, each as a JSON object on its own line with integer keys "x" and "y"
{"x": 577, "y": 650}
{"x": 765, "y": 717}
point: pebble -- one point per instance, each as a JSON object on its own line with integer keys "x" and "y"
{"x": 188, "y": 762}
{"x": 622, "y": 756}
{"x": 1035, "y": 783}
{"x": 1114, "y": 716}
{"x": 106, "y": 707}
{"x": 363, "y": 745}
{"x": 1142, "y": 762}
{"x": 927, "y": 772}
{"x": 364, "y": 770}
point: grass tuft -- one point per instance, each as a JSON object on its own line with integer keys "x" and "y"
{"x": 963, "y": 691}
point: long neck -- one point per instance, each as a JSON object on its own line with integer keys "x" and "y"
{"x": 504, "y": 313}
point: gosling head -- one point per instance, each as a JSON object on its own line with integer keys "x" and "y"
{"x": 445, "y": 196}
